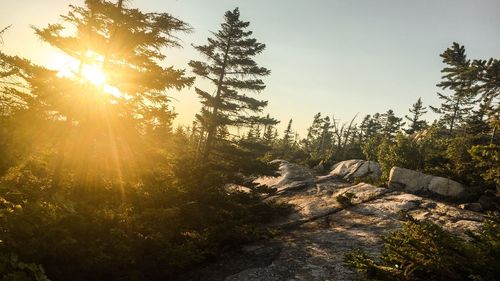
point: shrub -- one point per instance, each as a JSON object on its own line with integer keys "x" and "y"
{"x": 422, "y": 250}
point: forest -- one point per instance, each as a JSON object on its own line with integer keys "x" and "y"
{"x": 97, "y": 183}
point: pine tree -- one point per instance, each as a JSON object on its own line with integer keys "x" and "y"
{"x": 126, "y": 45}
{"x": 288, "y": 136}
{"x": 326, "y": 137}
{"x": 270, "y": 134}
{"x": 313, "y": 134}
{"x": 417, "y": 111}
{"x": 459, "y": 78}
{"x": 371, "y": 126}
{"x": 254, "y": 133}
{"x": 488, "y": 87}
{"x": 230, "y": 67}
{"x": 391, "y": 123}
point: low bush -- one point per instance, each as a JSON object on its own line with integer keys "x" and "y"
{"x": 422, "y": 250}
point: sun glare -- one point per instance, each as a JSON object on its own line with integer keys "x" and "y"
{"x": 94, "y": 74}
{"x": 91, "y": 71}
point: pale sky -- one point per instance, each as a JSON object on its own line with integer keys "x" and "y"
{"x": 335, "y": 57}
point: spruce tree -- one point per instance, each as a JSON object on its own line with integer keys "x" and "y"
{"x": 288, "y": 136}
{"x": 417, "y": 111}
{"x": 371, "y": 126}
{"x": 127, "y": 46}
{"x": 313, "y": 133}
{"x": 485, "y": 118}
{"x": 459, "y": 78}
{"x": 231, "y": 68}
{"x": 270, "y": 134}
{"x": 391, "y": 123}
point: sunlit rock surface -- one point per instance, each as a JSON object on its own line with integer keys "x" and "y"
{"x": 320, "y": 230}
{"x": 413, "y": 181}
{"x": 352, "y": 169}
{"x": 291, "y": 177}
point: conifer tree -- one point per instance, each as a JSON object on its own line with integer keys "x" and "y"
{"x": 231, "y": 68}
{"x": 459, "y": 78}
{"x": 392, "y": 124}
{"x": 270, "y": 134}
{"x": 326, "y": 136}
{"x": 127, "y": 46}
{"x": 288, "y": 136}
{"x": 482, "y": 120}
{"x": 313, "y": 133}
{"x": 417, "y": 111}
{"x": 254, "y": 133}
{"x": 371, "y": 126}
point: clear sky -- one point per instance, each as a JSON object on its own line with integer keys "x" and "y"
{"x": 335, "y": 57}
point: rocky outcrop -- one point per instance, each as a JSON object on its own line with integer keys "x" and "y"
{"x": 352, "y": 169}
{"x": 323, "y": 228}
{"x": 413, "y": 181}
{"x": 291, "y": 177}
{"x": 331, "y": 217}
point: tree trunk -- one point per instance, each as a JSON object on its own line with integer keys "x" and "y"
{"x": 212, "y": 129}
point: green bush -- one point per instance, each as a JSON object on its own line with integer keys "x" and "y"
{"x": 487, "y": 161}
{"x": 422, "y": 250}
{"x": 403, "y": 152}
{"x": 164, "y": 224}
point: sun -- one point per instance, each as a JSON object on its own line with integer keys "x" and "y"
{"x": 88, "y": 71}
{"x": 93, "y": 74}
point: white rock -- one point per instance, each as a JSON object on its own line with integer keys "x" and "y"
{"x": 446, "y": 187}
{"x": 408, "y": 180}
{"x": 413, "y": 181}
{"x": 292, "y": 177}
{"x": 356, "y": 168}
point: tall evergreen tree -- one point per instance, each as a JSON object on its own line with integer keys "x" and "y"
{"x": 231, "y": 68}
{"x": 488, "y": 88}
{"x": 457, "y": 77}
{"x": 126, "y": 45}
{"x": 416, "y": 123}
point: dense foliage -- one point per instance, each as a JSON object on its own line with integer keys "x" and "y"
{"x": 95, "y": 184}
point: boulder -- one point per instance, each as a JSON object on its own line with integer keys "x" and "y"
{"x": 413, "y": 181}
{"x": 446, "y": 187}
{"x": 355, "y": 168}
{"x": 291, "y": 177}
{"x": 408, "y": 180}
